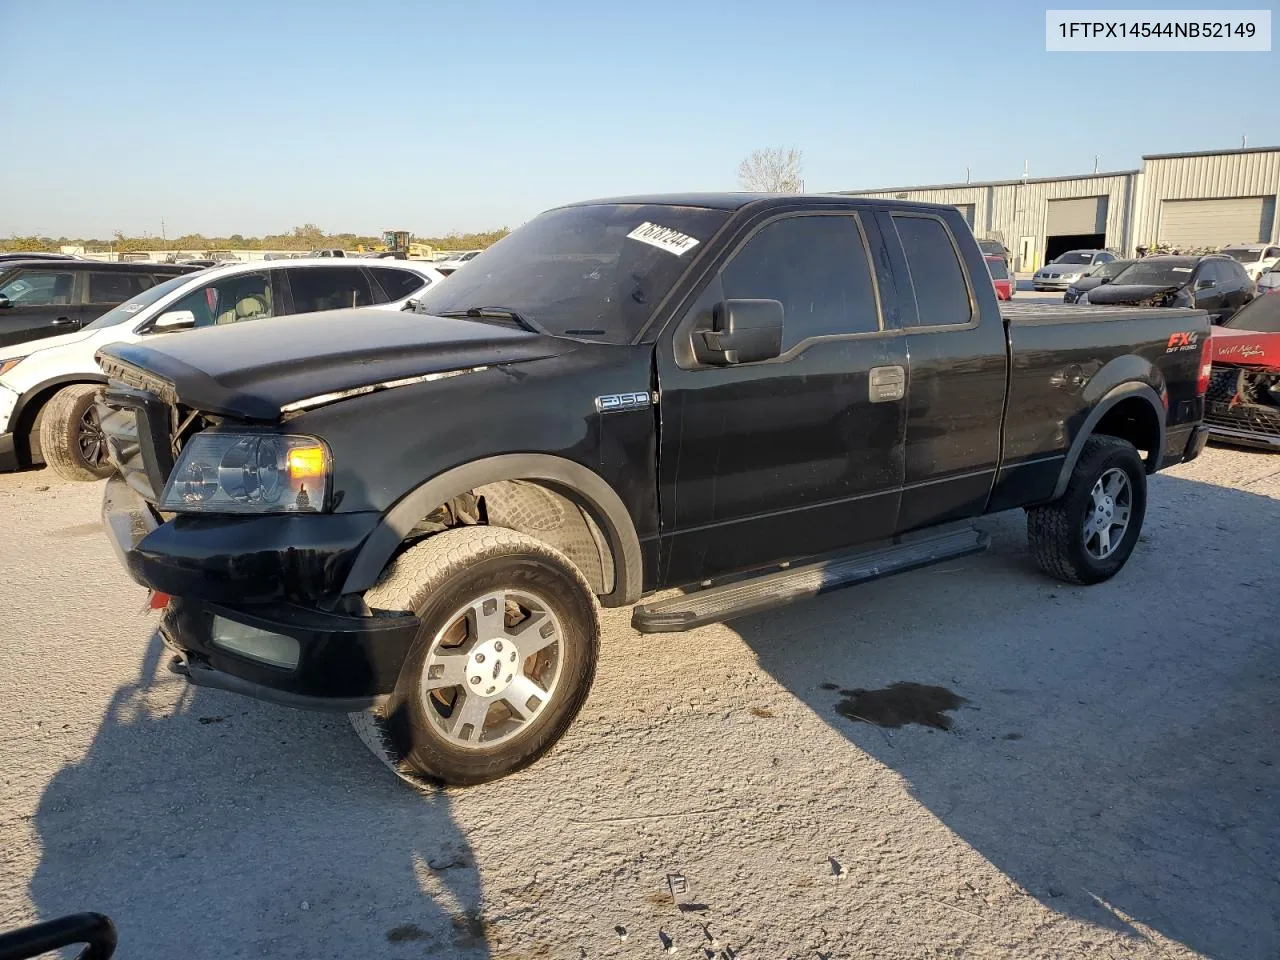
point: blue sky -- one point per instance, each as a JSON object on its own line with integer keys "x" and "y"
{"x": 253, "y": 117}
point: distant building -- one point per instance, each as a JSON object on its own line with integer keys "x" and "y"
{"x": 1186, "y": 200}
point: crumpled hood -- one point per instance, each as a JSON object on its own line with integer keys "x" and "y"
{"x": 1130, "y": 292}
{"x": 251, "y": 370}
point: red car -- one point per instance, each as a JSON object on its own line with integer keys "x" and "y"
{"x": 1004, "y": 284}
{"x": 1242, "y": 405}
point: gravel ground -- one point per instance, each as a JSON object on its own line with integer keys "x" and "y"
{"x": 1109, "y": 788}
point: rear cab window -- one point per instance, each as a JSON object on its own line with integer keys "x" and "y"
{"x": 937, "y": 277}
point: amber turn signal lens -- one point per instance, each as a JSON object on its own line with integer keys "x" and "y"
{"x": 306, "y": 462}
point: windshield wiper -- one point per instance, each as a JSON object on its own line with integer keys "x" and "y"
{"x": 494, "y": 313}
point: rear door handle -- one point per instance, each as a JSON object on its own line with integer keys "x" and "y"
{"x": 885, "y": 384}
{"x": 62, "y": 321}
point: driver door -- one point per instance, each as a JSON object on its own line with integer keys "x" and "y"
{"x": 797, "y": 455}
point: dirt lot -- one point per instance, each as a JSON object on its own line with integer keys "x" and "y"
{"x": 1109, "y": 788}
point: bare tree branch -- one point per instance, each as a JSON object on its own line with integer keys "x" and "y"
{"x": 771, "y": 170}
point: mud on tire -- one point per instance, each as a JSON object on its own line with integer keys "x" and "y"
{"x": 501, "y": 665}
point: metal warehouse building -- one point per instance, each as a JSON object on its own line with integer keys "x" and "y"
{"x": 1187, "y": 200}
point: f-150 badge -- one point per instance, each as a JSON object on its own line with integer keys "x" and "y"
{"x": 615, "y": 402}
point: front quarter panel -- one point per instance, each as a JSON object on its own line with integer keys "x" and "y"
{"x": 388, "y": 444}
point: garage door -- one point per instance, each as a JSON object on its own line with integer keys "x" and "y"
{"x": 966, "y": 211}
{"x": 1215, "y": 223}
{"x": 1076, "y": 216}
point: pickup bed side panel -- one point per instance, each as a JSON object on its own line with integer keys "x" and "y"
{"x": 1067, "y": 364}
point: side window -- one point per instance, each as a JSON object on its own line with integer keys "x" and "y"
{"x": 398, "y": 284}
{"x": 816, "y": 267}
{"x": 229, "y": 300}
{"x": 114, "y": 287}
{"x": 942, "y": 296}
{"x": 39, "y": 288}
{"x": 328, "y": 288}
{"x": 1210, "y": 271}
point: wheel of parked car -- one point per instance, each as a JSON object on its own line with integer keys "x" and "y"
{"x": 504, "y": 658}
{"x": 1087, "y": 534}
{"x": 71, "y": 438}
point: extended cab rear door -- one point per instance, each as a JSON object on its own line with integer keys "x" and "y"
{"x": 956, "y": 356}
{"x": 761, "y": 462}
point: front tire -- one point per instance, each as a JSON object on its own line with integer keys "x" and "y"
{"x": 502, "y": 663}
{"x": 1087, "y": 534}
{"x": 71, "y": 439}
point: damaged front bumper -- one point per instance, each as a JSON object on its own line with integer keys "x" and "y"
{"x": 246, "y": 594}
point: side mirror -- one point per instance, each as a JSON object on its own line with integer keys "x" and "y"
{"x": 173, "y": 321}
{"x": 410, "y": 306}
{"x": 5, "y": 302}
{"x": 745, "y": 331}
{"x": 1206, "y": 284}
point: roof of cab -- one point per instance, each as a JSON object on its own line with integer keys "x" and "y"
{"x": 736, "y": 201}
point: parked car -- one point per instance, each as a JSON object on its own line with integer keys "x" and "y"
{"x": 44, "y": 298}
{"x": 1004, "y": 284}
{"x": 1269, "y": 282}
{"x": 1256, "y": 258}
{"x": 455, "y": 260}
{"x": 1243, "y": 402}
{"x": 1096, "y": 277}
{"x": 1068, "y": 268}
{"x": 47, "y": 387}
{"x": 632, "y": 395}
{"x": 328, "y": 252}
{"x": 1213, "y": 283}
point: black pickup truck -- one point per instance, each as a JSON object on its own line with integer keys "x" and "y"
{"x": 412, "y": 517}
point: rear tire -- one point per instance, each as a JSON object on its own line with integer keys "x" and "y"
{"x": 71, "y": 439}
{"x": 1079, "y": 538}
{"x": 510, "y": 619}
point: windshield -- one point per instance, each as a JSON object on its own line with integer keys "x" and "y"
{"x": 1075, "y": 256}
{"x": 997, "y": 268}
{"x": 1244, "y": 256}
{"x": 130, "y": 307}
{"x": 991, "y": 246}
{"x": 595, "y": 271}
{"x": 1147, "y": 273}
{"x": 1112, "y": 269}
{"x": 1262, "y": 315}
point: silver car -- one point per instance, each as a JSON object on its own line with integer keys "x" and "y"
{"x": 1068, "y": 268}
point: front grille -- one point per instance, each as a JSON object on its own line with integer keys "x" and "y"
{"x": 1228, "y": 403}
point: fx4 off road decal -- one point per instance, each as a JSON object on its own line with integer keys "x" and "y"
{"x": 1183, "y": 341}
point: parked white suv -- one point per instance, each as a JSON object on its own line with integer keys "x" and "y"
{"x": 1256, "y": 258}
{"x": 47, "y": 386}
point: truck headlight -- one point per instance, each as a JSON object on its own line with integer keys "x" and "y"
{"x": 249, "y": 473}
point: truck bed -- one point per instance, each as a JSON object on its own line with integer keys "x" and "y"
{"x": 1033, "y": 313}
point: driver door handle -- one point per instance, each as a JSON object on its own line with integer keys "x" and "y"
{"x": 62, "y": 321}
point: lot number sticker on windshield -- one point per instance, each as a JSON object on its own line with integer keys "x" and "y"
{"x": 664, "y": 238}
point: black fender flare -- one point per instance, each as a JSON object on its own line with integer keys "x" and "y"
{"x": 1124, "y": 391}
{"x": 569, "y": 477}
{"x": 66, "y": 380}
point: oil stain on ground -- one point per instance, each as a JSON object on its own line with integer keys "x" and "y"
{"x": 901, "y": 703}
